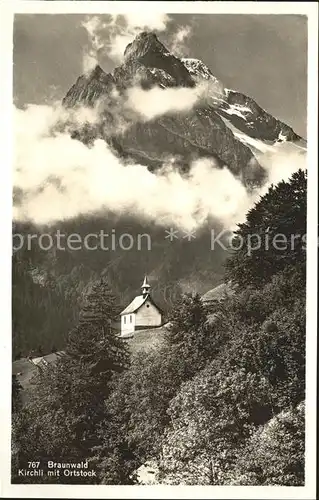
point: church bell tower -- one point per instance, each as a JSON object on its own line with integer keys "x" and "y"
{"x": 145, "y": 287}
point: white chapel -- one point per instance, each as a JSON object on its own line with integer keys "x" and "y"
{"x": 141, "y": 313}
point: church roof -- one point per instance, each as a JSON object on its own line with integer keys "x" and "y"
{"x": 137, "y": 303}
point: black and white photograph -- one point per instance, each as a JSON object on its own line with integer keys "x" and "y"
{"x": 161, "y": 234}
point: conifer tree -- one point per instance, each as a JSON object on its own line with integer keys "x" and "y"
{"x": 94, "y": 340}
{"x": 273, "y": 236}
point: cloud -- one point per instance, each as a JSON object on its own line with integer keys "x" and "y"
{"x": 93, "y": 26}
{"x": 112, "y": 33}
{"x": 147, "y": 19}
{"x": 60, "y": 178}
{"x": 178, "y": 42}
{"x": 134, "y": 22}
{"x": 282, "y": 161}
{"x": 157, "y": 101}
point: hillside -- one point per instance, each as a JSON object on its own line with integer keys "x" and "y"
{"x": 144, "y": 340}
{"x": 24, "y": 369}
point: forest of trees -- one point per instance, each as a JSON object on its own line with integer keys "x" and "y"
{"x": 220, "y": 402}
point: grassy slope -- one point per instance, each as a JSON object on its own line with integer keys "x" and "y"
{"x": 146, "y": 339}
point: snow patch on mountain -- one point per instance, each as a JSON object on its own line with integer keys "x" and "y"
{"x": 237, "y": 109}
{"x": 280, "y": 158}
{"x": 197, "y": 67}
{"x": 199, "y": 71}
{"x": 165, "y": 79}
{"x": 256, "y": 145}
{"x": 281, "y": 137}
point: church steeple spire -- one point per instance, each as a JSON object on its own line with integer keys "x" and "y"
{"x": 145, "y": 287}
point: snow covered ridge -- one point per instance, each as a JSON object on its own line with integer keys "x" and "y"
{"x": 252, "y": 117}
{"x": 197, "y": 69}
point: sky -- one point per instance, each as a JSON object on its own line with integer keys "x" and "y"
{"x": 263, "y": 56}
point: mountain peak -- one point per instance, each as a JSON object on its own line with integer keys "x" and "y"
{"x": 223, "y": 124}
{"x": 96, "y": 72}
{"x": 148, "y": 51}
{"x": 89, "y": 87}
{"x": 144, "y": 44}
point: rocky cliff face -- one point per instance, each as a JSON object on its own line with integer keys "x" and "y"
{"x": 205, "y": 131}
{"x": 245, "y": 114}
{"x": 89, "y": 88}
